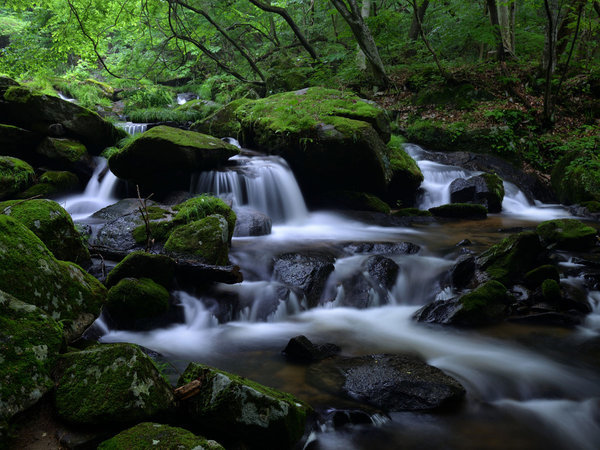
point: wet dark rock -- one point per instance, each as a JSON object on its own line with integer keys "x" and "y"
{"x": 459, "y": 211}
{"x": 550, "y": 318}
{"x": 389, "y": 382}
{"x": 568, "y": 234}
{"x": 535, "y": 277}
{"x": 486, "y": 305}
{"x": 121, "y": 219}
{"x": 301, "y": 349}
{"x": 251, "y": 223}
{"x": 574, "y": 299}
{"x": 382, "y": 270}
{"x": 358, "y": 292}
{"x": 381, "y": 248}
{"x": 159, "y": 268}
{"x": 306, "y": 271}
{"x": 463, "y": 271}
{"x": 486, "y": 190}
{"x": 192, "y": 272}
{"x": 464, "y": 243}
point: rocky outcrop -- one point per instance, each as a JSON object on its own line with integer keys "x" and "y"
{"x": 236, "y": 410}
{"x": 486, "y": 190}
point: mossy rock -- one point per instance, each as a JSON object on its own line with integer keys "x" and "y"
{"x": 201, "y": 108}
{"x": 551, "y": 291}
{"x": 462, "y": 96}
{"x": 568, "y": 234}
{"x": 513, "y": 257}
{"x": 406, "y": 174}
{"x": 5, "y": 83}
{"x": 358, "y": 201}
{"x": 30, "y": 272}
{"x": 576, "y": 178}
{"x": 52, "y": 224}
{"x": 234, "y": 409}
{"x": 203, "y": 206}
{"x": 132, "y": 299}
{"x": 592, "y": 206}
{"x": 163, "y": 158}
{"x": 159, "y": 268}
{"x": 152, "y": 436}
{"x": 206, "y": 240}
{"x": 459, "y": 211}
{"x": 62, "y": 150}
{"x": 222, "y": 122}
{"x": 15, "y": 176}
{"x": 331, "y": 139}
{"x": 411, "y": 212}
{"x": 36, "y": 111}
{"x": 535, "y": 277}
{"x": 30, "y": 341}
{"x": 112, "y": 384}
{"x": 52, "y": 183}
{"x": 17, "y": 142}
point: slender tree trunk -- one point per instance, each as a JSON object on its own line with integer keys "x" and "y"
{"x": 495, "y": 21}
{"x": 361, "y": 59}
{"x": 549, "y": 60}
{"x": 284, "y": 14}
{"x": 413, "y": 32}
{"x": 506, "y": 22}
{"x": 364, "y": 38}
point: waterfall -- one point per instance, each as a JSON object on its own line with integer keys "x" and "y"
{"x": 65, "y": 98}
{"x": 263, "y": 183}
{"x": 98, "y": 193}
{"x": 132, "y": 128}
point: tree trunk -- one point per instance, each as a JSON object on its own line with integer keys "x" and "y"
{"x": 361, "y": 59}
{"x": 495, "y": 21}
{"x": 364, "y": 39}
{"x": 413, "y": 33}
{"x": 506, "y": 22}
{"x": 597, "y": 8}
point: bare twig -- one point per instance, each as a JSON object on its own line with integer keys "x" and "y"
{"x": 143, "y": 208}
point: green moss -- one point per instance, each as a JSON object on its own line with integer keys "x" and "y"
{"x": 360, "y": 201}
{"x": 592, "y": 206}
{"x": 15, "y": 176}
{"x": 568, "y": 234}
{"x": 411, "y": 212}
{"x": 400, "y": 160}
{"x": 150, "y": 436}
{"x": 30, "y": 272}
{"x": 551, "y": 291}
{"x": 29, "y": 345}
{"x": 200, "y": 207}
{"x": 222, "y": 122}
{"x": 52, "y": 224}
{"x": 112, "y": 384}
{"x": 514, "y": 256}
{"x": 486, "y": 304}
{"x": 67, "y": 150}
{"x": 132, "y": 299}
{"x": 495, "y": 185}
{"x": 460, "y": 211}
{"x": 159, "y": 268}
{"x": 238, "y": 408}
{"x": 535, "y": 277}
{"x": 61, "y": 179}
{"x": 576, "y": 177}
{"x": 206, "y": 239}
{"x": 18, "y": 94}
{"x": 159, "y": 231}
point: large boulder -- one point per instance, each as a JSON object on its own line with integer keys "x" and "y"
{"x": 31, "y": 273}
{"x": 15, "y": 176}
{"x": 331, "y": 139}
{"x": 132, "y": 301}
{"x": 149, "y": 436}
{"x": 111, "y": 384}
{"x": 30, "y": 341}
{"x": 163, "y": 158}
{"x": 406, "y": 174}
{"x": 487, "y": 304}
{"x": 388, "y": 382}
{"x": 486, "y": 190}
{"x": 307, "y": 272}
{"x": 17, "y": 142}
{"x": 120, "y": 222}
{"x": 236, "y": 410}
{"x": 223, "y": 122}
{"x": 568, "y": 234}
{"x": 52, "y": 183}
{"x": 52, "y": 224}
{"x": 197, "y": 208}
{"x": 139, "y": 264}
{"x": 35, "y": 111}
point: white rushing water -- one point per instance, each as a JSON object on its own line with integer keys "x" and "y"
{"x": 132, "y": 127}
{"x": 98, "y": 194}
{"x": 68, "y": 99}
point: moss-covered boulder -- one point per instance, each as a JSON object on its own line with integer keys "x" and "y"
{"x": 486, "y": 189}
{"x": 163, "y": 158}
{"x": 30, "y": 341}
{"x": 36, "y": 111}
{"x": 576, "y": 177}
{"x": 551, "y": 291}
{"x": 236, "y": 410}
{"x": 459, "y": 211}
{"x": 203, "y": 206}
{"x": 535, "y": 277}
{"x": 151, "y": 436}
{"x": 487, "y": 304}
{"x": 358, "y": 201}
{"x": 31, "y": 273}
{"x": 406, "y": 174}
{"x": 332, "y": 140}
{"x": 139, "y": 264}
{"x": 52, "y": 224}
{"x": 17, "y": 142}
{"x": 15, "y": 176}
{"x": 411, "y": 212}
{"x": 111, "y": 384}
{"x": 223, "y": 122}
{"x": 568, "y": 234}
{"x": 52, "y": 183}
{"x": 513, "y": 257}
{"x": 5, "y": 83}
{"x": 206, "y": 240}
{"x": 132, "y": 300}
{"x": 62, "y": 151}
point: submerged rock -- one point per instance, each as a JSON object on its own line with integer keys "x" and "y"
{"x": 389, "y": 382}
{"x": 148, "y": 435}
{"x": 30, "y": 272}
{"x": 568, "y": 234}
{"x": 15, "y": 176}
{"x": 237, "y": 411}
{"x": 112, "y": 384}
{"x": 163, "y": 158}
{"x": 30, "y": 341}
{"x": 301, "y": 349}
{"x": 486, "y": 190}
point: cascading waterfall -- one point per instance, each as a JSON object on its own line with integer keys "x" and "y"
{"x": 132, "y": 128}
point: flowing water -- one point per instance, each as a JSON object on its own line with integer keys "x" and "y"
{"x": 132, "y": 127}
{"x": 524, "y": 391}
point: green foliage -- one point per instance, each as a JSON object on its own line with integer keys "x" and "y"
{"x": 147, "y": 96}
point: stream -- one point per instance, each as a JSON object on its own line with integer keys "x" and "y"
{"x": 528, "y": 387}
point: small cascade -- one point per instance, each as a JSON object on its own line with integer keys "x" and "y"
{"x": 132, "y": 128}
{"x": 182, "y": 99}
{"x": 263, "y": 183}
{"x": 98, "y": 193}
{"x": 65, "y": 98}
